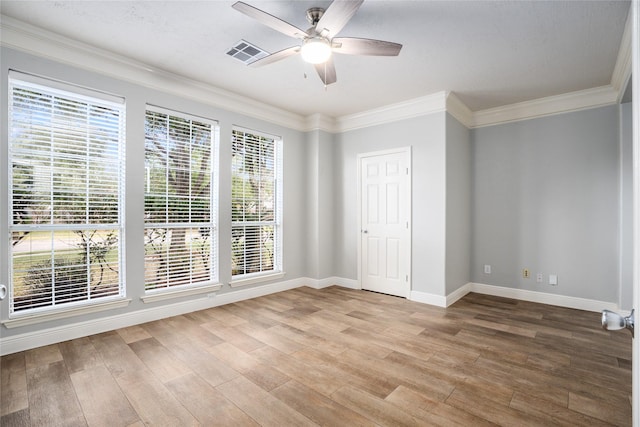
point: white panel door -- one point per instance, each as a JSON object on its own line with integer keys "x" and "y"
{"x": 385, "y": 206}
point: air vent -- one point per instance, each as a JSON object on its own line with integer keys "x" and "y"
{"x": 246, "y": 52}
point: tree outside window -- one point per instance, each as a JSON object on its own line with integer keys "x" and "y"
{"x": 255, "y": 203}
{"x": 67, "y": 174}
{"x": 180, "y": 234}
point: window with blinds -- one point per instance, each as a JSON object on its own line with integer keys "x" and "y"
{"x": 256, "y": 204}
{"x": 66, "y": 192}
{"x": 180, "y": 200}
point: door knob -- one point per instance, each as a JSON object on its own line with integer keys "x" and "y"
{"x": 365, "y": 231}
{"x": 612, "y": 321}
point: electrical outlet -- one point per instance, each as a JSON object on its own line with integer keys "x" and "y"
{"x": 525, "y": 273}
{"x": 539, "y": 278}
{"x": 487, "y": 269}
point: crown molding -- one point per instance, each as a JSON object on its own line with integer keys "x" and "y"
{"x": 622, "y": 71}
{"x": 416, "y": 107}
{"x": 572, "y": 101}
{"x": 320, "y": 122}
{"x": 30, "y": 39}
{"x": 552, "y": 105}
{"x": 459, "y": 110}
{"x": 27, "y": 38}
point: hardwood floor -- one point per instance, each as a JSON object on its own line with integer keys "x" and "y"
{"x": 334, "y": 357}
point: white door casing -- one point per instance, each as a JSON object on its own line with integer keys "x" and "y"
{"x": 384, "y": 193}
{"x": 635, "y": 73}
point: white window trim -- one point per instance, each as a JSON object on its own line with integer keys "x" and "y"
{"x": 278, "y": 270}
{"x": 178, "y": 291}
{"x": 58, "y": 312}
{"x": 63, "y": 88}
{"x": 49, "y": 313}
{"x": 253, "y": 278}
{"x": 162, "y": 294}
{"x": 182, "y": 115}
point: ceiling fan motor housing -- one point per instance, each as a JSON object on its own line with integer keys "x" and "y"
{"x": 314, "y": 14}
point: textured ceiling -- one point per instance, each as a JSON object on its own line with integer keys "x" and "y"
{"x": 490, "y": 53}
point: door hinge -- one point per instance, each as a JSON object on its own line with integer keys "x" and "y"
{"x": 406, "y": 278}
{"x": 407, "y": 171}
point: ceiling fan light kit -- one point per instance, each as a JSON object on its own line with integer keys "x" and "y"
{"x": 316, "y": 50}
{"x": 318, "y": 42}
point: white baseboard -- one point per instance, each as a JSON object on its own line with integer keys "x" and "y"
{"x": 439, "y": 300}
{"x": 427, "y": 298}
{"x": 519, "y": 294}
{"x": 458, "y": 293}
{"x": 331, "y": 281}
{"x": 543, "y": 298}
{"x": 29, "y": 340}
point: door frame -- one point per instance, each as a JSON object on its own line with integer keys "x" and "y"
{"x": 409, "y": 158}
{"x": 635, "y": 105}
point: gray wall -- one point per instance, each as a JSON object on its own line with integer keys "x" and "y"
{"x": 550, "y": 194}
{"x": 295, "y": 181}
{"x": 546, "y": 197}
{"x": 320, "y": 184}
{"x": 426, "y": 136}
{"x": 626, "y": 207}
{"x": 458, "y": 214}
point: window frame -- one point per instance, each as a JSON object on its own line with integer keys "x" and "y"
{"x": 277, "y": 272}
{"x": 76, "y": 95}
{"x": 212, "y": 283}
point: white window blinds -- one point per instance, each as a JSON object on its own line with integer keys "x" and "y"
{"x": 66, "y": 157}
{"x": 180, "y": 200}
{"x": 256, "y": 205}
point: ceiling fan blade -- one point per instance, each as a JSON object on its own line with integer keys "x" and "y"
{"x": 277, "y": 56}
{"x": 327, "y": 72}
{"x": 356, "y": 46}
{"x": 270, "y": 20}
{"x": 336, "y": 17}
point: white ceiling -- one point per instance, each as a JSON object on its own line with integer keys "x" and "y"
{"x": 489, "y": 53}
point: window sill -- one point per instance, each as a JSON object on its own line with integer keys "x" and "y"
{"x": 250, "y": 280}
{"x": 31, "y": 319}
{"x": 164, "y": 294}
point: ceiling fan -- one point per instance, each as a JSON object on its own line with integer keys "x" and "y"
{"x": 320, "y": 41}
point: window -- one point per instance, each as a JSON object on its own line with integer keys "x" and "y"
{"x": 256, "y": 204}
{"x": 66, "y": 192}
{"x": 180, "y": 200}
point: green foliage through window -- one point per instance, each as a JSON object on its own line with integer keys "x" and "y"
{"x": 67, "y": 178}
{"x": 255, "y": 203}
{"x": 180, "y": 245}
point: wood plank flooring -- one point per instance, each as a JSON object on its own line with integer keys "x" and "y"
{"x": 332, "y": 357}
